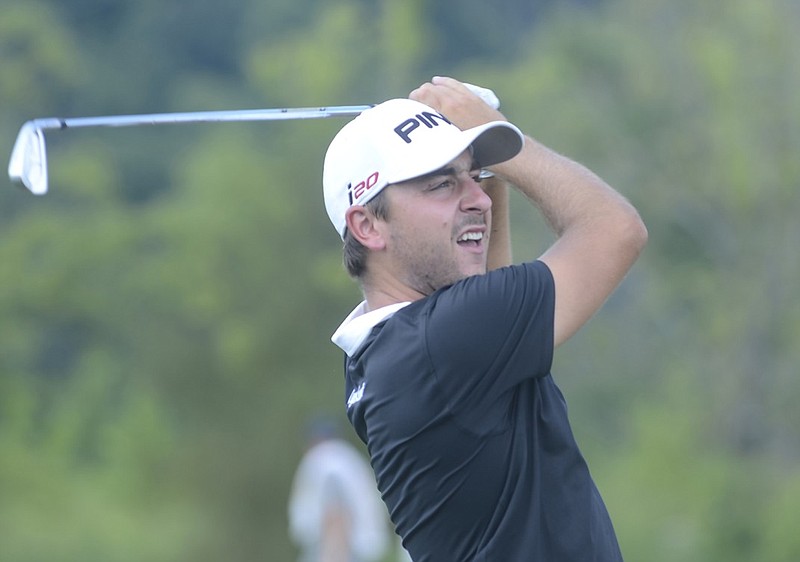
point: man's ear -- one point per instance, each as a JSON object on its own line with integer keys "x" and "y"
{"x": 364, "y": 227}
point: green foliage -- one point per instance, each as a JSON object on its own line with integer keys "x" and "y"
{"x": 166, "y": 309}
{"x": 280, "y": 68}
{"x": 39, "y": 56}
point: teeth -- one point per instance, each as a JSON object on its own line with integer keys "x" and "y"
{"x": 471, "y": 236}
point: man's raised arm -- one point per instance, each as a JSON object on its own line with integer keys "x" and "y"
{"x": 599, "y": 233}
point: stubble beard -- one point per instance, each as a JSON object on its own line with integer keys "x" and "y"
{"x": 429, "y": 266}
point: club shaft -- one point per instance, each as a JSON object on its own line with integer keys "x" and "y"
{"x": 239, "y": 115}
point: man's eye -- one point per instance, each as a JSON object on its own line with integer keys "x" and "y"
{"x": 441, "y": 185}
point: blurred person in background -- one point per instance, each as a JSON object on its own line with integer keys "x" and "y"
{"x": 335, "y": 512}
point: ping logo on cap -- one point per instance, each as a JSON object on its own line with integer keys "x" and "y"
{"x": 427, "y": 118}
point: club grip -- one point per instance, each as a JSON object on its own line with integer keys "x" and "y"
{"x": 485, "y": 94}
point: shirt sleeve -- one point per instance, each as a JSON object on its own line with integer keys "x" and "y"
{"x": 489, "y": 333}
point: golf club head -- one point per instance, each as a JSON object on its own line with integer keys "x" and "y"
{"x": 28, "y": 163}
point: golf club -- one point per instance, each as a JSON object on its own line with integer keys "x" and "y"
{"x": 28, "y": 163}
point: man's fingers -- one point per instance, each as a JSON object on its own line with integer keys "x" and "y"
{"x": 464, "y": 104}
{"x": 487, "y": 95}
{"x": 438, "y": 90}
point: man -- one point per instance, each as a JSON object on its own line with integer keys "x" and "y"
{"x": 448, "y": 358}
{"x": 335, "y": 513}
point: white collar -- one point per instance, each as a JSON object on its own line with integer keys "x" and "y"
{"x": 359, "y": 323}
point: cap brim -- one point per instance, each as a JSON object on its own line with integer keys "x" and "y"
{"x": 495, "y": 142}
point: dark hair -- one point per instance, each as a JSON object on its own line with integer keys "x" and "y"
{"x": 354, "y": 253}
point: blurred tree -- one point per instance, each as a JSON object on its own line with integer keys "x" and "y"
{"x": 40, "y": 58}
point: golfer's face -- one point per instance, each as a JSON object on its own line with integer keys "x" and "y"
{"x": 439, "y": 226}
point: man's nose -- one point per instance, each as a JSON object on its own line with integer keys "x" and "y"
{"x": 474, "y": 198}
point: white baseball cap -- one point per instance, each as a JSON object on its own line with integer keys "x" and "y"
{"x": 399, "y": 140}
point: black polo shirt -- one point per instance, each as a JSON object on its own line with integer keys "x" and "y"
{"x": 467, "y": 432}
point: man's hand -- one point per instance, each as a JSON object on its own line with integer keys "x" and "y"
{"x": 455, "y": 101}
